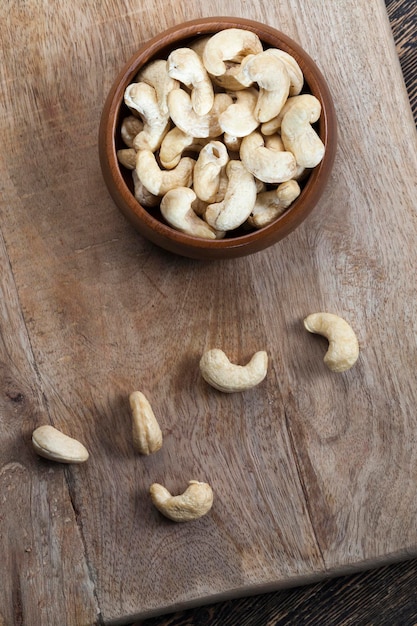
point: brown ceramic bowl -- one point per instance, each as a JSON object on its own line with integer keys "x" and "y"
{"x": 149, "y": 222}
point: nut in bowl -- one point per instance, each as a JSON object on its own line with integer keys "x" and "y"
{"x": 217, "y": 138}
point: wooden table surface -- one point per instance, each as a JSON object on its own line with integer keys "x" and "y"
{"x": 315, "y": 474}
{"x": 385, "y": 596}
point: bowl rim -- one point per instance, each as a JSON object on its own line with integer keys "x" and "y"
{"x": 156, "y": 230}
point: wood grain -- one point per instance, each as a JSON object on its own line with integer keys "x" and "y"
{"x": 44, "y": 570}
{"x": 312, "y": 474}
{"x": 385, "y": 595}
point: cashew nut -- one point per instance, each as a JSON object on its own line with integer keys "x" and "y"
{"x": 300, "y": 137}
{"x": 155, "y": 74}
{"x": 231, "y": 44}
{"x": 174, "y": 144}
{"x": 186, "y": 66}
{"x": 223, "y": 100}
{"x": 294, "y": 70}
{"x": 158, "y": 181}
{"x": 270, "y": 166}
{"x": 178, "y": 212}
{"x": 238, "y": 201}
{"x": 147, "y": 435}
{"x": 232, "y": 143}
{"x": 195, "y": 502}
{"x": 229, "y": 81}
{"x": 183, "y": 115}
{"x": 309, "y": 101}
{"x": 52, "y": 444}
{"x": 142, "y": 98}
{"x": 239, "y": 118}
{"x": 130, "y": 127}
{"x": 225, "y": 376}
{"x": 343, "y": 348}
{"x": 211, "y": 161}
{"x": 271, "y": 204}
{"x": 142, "y": 195}
{"x": 270, "y": 73}
{"x": 274, "y": 142}
{"x": 127, "y": 157}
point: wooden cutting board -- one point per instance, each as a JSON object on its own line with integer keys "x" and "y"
{"x": 314, "y": 473}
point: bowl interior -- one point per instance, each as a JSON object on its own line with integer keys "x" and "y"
{"x": 149, "y": 221}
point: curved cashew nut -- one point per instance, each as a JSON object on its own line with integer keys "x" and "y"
{"x": 186, "y": 66}
{"x": 232, "y": 143}
{"x": 309, "y": 101}
{"x": 271, "y": 204}
{"x": 127, "y": 157}
{"x": 178, "y": 212}
{"x": 195, "y": 502}
{"x": 294, "y": 70}
{"x": 231, "y": 44}
{"x": 229, "y": 81}
{"x": 142, "y": 195}
{"x": 239, "y": 118}
{"x": 130, "y": 127}
{"x": 343, "y": 348}
{"x": 270, "y": 166}
{"x": 271, "y": 75}
{"x": 300, "y": 137}
{"x": 141, "y": 97}
{"x": 225, "y": 376}
{"x": 155, "y": 74}
{"x": 147, "y": 435}
{"x": 238, "y": 201}
{"x": 200, "y": 126}
{"x": 158, "y": 181}
{"x": 174, "y": 144}
{"x": 274, "y": 142}
{"x": 52, "y": 444}
{"x": 208, "y": 169}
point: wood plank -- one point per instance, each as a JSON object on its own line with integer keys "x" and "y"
{"x": 311, "y": 472}
{"x": 43, "y": 568}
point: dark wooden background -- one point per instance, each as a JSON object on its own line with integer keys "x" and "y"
{"x": 384, "y": 596}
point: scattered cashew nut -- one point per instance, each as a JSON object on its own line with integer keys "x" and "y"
{"x": 147, "y": 435}
{"x": 225, "y": 376}
{"x": 54, "y": 445}
{"x": 195, "y": 502}
{"x": 343, "y": 348}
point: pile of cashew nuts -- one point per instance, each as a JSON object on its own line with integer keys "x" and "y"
{"x": 220, "y": 373}
{"x": 219, "y": 134}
